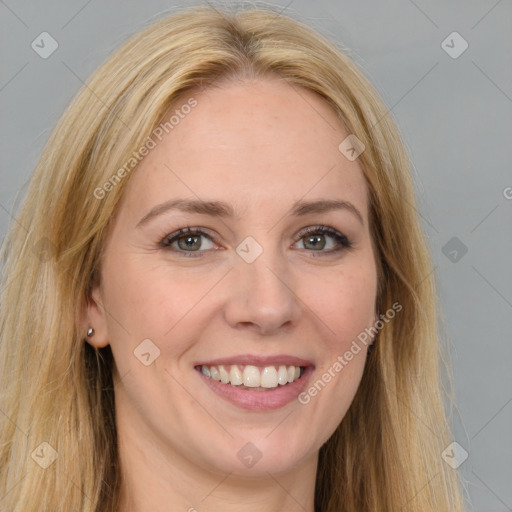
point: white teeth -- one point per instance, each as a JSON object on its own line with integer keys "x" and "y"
{"x": 214, "y": 373}
{"x": 235, "y": 376}
{"x": 224, "y": 377}
{"x": 252, "y": 376}
{"x": 282, "y": 375}
{"x": 269, "y": 377}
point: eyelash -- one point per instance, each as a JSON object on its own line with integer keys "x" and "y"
{"x": 342, "y": 241}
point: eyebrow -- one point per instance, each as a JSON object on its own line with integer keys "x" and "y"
{"x": 221, "y": 209}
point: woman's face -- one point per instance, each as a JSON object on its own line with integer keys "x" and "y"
{"x": 277, "y": 272}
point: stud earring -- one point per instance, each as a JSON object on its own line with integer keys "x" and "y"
{"x": 90, "y": 332}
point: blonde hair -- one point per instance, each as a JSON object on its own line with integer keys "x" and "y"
{"x": 386, "y": 453}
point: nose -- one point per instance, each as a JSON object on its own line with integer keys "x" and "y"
{"x": 261, "y": 296}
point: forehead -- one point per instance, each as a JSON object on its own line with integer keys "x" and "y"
{"x": 249, "y": 143}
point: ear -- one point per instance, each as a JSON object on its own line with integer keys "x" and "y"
{"x": 96, "y": 317}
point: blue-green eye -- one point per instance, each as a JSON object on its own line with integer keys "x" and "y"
{"x": 323, "y": 239}
{"x": 188, "y": 240}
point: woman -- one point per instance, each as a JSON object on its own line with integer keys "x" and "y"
{"x": 217, "y": 293}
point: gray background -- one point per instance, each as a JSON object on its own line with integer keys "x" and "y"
{"x": 454, "y": 113}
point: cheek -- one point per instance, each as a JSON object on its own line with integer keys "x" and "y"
{"x": 151, "y": 302}
{"x": 346, "y": 303}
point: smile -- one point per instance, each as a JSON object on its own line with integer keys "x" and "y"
{"x": 251, "y": 377}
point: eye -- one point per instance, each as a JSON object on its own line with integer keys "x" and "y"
{"x": 320, "y": 239}
{"x": 188, "y": 240}
{"x": 323, "y": 239}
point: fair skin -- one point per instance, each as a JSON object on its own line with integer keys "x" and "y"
{"x": 259, "y": 147}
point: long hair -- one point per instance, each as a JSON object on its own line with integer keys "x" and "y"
{"x": 57, "y": 422}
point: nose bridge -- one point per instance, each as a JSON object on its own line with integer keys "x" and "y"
{"x": 261, "y": 291}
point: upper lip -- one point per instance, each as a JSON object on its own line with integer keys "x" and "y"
{"x": 248, "y": 359}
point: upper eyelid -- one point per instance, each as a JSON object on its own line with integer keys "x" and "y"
{"x": 320, "y": 227}
{"x": 189, "y": 230}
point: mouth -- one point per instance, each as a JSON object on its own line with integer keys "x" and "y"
{"x": 252, "y": 377}
{"x": 256, "y": 383}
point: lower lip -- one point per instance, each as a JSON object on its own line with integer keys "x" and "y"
{"x": 259, "y": 400}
